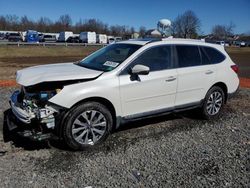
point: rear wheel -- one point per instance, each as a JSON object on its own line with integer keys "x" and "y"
{"x": 87, "y": 125}
{"x": 213, "y": 102}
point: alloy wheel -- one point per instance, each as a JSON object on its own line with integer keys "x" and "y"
{"x": 214, "y": 103}
{"x": 89, "y": 127}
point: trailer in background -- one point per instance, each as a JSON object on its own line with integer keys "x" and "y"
{"x": 88, "y": 37}
{"x": 23, "y": 35}
{"x": 101, "y": 39}
{"x": 32, "y": 36}
{"x": 64, "y": 36}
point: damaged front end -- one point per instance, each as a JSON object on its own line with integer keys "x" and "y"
{"x": 33, "y": 116}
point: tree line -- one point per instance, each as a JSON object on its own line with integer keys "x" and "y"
{"x": 64, "y": 23}
{"x": 186, "y": 25}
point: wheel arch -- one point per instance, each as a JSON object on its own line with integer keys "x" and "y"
{"x": 223, "y": 86}
{"x": 102, "y": 101}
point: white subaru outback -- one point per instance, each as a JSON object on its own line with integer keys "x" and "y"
{"x": 82, "y": 102}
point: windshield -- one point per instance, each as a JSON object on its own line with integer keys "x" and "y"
{"x": 110, "y": 57}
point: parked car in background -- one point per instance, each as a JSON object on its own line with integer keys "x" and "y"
{"x": 2, "y": 36}
{"x": 73, "y": 39}
{"x": 14, "y": 37}
{"x": 242, "y": 44}
{"x": 111, "y": 39}
{"x": 41, "y": 36}
{"x": 236, "y": 43}
{"x": 222, "y": 43}
{"x": 49, "y": 38}
{"x": 82, "y": 102}
{"x": 118, "y": 39}
{"x": 6, "y": 36}
{"x": 64, "y": 36}
{"x": 88, "y": 37}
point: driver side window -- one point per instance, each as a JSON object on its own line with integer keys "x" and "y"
{"x": 156, "y": 58}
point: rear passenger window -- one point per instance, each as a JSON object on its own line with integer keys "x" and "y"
{"x": 157, "y": 58}
{"x": 204, "y": 57}
{"x": 188, "y": 55}
{"x": 214, "y": 55}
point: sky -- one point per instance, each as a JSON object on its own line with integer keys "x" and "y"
{"x": 136, "y": 13}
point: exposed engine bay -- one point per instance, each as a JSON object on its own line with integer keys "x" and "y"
{"x": 31, "y": 106}
{"x": 35, "y": 105}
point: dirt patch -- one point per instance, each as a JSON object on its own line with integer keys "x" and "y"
{"x": 16, "y": 58}
{"x": 9, "y": 66}
{"x": 245, "y": 82}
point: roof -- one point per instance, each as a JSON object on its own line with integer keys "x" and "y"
{"x": 145, "y": 41}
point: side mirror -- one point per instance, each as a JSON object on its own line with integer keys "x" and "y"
{"x": 140, "y": 70}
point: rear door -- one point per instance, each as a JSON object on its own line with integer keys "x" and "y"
{"x": 195, "y": 74}
{"x": 156, "y": 91}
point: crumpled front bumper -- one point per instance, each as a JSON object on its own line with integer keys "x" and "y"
{"x": 21, "y": 114}
{"x": 18, "y": 128}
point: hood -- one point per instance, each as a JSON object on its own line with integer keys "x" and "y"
{"x": 54, "y": 72}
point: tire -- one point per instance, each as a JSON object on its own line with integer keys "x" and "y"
{"x": 87, "y": 125}
{"x": 213, "y": 103}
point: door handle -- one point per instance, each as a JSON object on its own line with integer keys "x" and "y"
{"x": 209, "y": 72}
{"x": 170, "y": 79}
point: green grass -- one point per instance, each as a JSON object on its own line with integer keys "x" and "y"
{"x": 238, "y": 50}
{"x": 40, "y": 51}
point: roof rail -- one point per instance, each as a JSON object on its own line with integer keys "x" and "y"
{"x": 148, "y": 40}
{"x": 183, "y": 39}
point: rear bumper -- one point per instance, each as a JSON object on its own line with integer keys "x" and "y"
{"x": 231, "y": 95}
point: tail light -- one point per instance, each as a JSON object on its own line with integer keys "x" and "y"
{"x": 235, "y": 68}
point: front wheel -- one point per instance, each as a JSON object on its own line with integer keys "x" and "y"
{"x": 87, "y": 125}
{"x": 213, "y": 102}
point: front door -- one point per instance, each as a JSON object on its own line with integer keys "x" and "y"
{"x": 150, "y": 93}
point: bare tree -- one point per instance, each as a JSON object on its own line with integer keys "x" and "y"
{"x": 222, "y": 32}
{"x": 44, "y": 24}
{"x": 65, "y": 21}
{"x": 142, "y": 31}
{"x": 186, "y": 25}
{"x": 3, "y": 23}
{"x": 12, "y": 22}
{"x": 26, "y": 23}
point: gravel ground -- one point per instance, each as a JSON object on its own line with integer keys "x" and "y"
{"x": 172, "y": 151}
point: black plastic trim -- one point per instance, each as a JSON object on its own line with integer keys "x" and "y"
{"x": 163, "y": 111}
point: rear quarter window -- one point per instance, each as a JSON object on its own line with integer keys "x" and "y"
{"x": 214, "y": 55}
{"x": 188, "y": 55}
